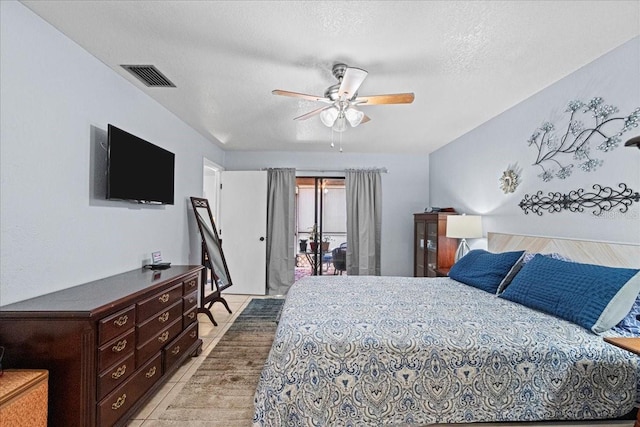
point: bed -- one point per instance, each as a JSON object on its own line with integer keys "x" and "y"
{"x": 354, "y": 351}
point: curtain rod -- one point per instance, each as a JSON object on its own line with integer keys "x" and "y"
{"x": 381, "y": 170}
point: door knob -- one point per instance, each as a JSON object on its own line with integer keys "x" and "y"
{"x": 262, "y": 239}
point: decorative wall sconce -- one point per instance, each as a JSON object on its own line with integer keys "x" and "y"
{"x": 555, "y": 151}
{"x": 602, "y": 199}
{"x": 510, "y": 179}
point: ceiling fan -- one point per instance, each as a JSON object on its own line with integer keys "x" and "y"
{"x": 342, "y": 99}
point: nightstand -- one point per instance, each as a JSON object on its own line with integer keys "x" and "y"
{"x": 632, "y": 345}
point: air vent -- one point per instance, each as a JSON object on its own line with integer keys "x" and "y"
{"x": 149, "y": 75}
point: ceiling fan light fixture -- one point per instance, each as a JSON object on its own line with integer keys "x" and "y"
{"x": 341, "y": 124}
{"x": 354, "y": 117}
{"x": 329, "y": 116}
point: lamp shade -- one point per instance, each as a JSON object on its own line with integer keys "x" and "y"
{"x": 354, "y": 117}
{"x": 464, "y": 226}
{"x": 329, "y": 116}
{"x": 341, "y": 124}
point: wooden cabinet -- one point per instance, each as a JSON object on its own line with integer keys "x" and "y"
{"x": 432, "y": 249}
{"x": 108, "y": 345}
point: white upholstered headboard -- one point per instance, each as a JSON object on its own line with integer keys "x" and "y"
{"x": 601, "y": 253}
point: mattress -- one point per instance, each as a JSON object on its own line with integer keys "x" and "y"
{"x": 394, "y": 351}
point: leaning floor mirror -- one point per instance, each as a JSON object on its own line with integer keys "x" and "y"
{"x": 215, "y": 271}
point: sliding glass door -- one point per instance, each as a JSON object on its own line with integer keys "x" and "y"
{"x": 321, "y": 225}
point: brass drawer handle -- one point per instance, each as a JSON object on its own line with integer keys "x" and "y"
{"x": 119, "y": 347}
{"x": 191, "y": 284}
{"x": 119, "y": 402}
{"x": 119, "y": 372}
{"x": 164, "y": 336}
{"x": 192, "y": 300}
{"x": 176, "y": 350}
{"x": 151, "y": 372}
{"x": 164, "y": 298}
{"x": 192, "y": 315}
{"x": 193, "y": 334}
{"x": 122, "y": 320}
{"x": 163, "y": 317}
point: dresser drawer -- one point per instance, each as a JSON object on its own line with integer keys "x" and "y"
{"x": 115, "y": 350}
{"x": 116, "y": 374}
{"x": 189, "y": 301}
{"x": 158, "y": 322}
{"x": 117, "y": 403}
{"x": 190, "y": 284}
{"x": 114, "y": 325}
{"x": 178, "y": 347}
{"x": 159, "y": 302}
{"x": 189, "y": 317}
{"x": 161, "y": 339}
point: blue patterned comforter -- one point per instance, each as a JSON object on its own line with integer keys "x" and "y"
{"x": 356, "y": 351}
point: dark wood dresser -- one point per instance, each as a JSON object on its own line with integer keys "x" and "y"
{"x": 108, "y": 345}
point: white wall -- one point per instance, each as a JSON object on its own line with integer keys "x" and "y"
{"x": 465, "y": 173}
{"x": 57, "y": 230}
{"x": 404, "y": 192}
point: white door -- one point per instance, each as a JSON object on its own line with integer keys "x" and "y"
{"x": 243, "y": 230}
{"x": 211, "y": 186}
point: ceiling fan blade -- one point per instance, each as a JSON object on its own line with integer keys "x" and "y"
{"x": 351, "y": 81}
{"x": 393, "y": 98}
{"x": 365, "y": 119}
{"x": 312, "y": 113}
{"x": 300, "y": 95}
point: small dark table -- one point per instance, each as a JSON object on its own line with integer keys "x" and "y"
{"x": 315, "y": 260}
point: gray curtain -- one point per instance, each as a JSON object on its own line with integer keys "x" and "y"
{"x": 364, "y": 222}
{"x": 281, "y": 255}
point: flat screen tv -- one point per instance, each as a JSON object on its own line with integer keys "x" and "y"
{"x": 137, "y": 170}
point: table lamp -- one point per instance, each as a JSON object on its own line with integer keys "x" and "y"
{"x": 463, "y": 227}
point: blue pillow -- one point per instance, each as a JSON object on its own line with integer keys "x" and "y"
{"x": 592, "y": 296}
{"x": 525, "y": 258}
{"x": 484, "y": 270}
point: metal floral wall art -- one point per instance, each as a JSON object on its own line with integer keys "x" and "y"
{"x": 601, "y": 199}
{"x": 510, "y": 179}
{"x": 591, "y": 122}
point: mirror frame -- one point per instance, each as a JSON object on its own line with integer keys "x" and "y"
{"x": 215, "y": 265}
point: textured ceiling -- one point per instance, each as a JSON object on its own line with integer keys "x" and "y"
{"x": 466, "y": 61}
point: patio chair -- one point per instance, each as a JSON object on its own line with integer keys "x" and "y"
{"x": 339, "y": 256}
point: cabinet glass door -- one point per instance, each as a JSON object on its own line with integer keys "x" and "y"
{"x": 432, "y": 247}
{"x": 419, "y": 249}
